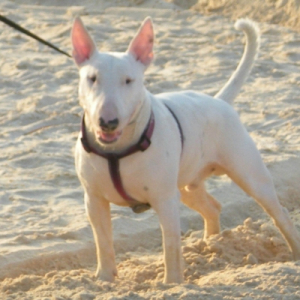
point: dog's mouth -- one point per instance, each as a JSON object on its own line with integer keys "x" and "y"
{"x": 108, "y": 137}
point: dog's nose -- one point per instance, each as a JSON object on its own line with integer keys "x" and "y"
{"x": 108, "y": 125}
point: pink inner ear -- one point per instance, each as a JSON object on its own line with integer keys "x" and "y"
{"x": 142, "y": 44}
{"x": 83, "y": 45}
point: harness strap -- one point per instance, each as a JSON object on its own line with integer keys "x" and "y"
{"x": 114, "y": 170}
{"x": 113, "y": 159}
{"x": 178, "y": 124}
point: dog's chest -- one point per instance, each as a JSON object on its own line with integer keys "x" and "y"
{"x": 94, "y": 174}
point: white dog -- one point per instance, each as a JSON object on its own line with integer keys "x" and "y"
{"x": 140, "y": 150}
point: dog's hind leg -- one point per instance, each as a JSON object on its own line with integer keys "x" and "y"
{"x": 261, "y": 188}
{"x": 250, "y": 173}
{"x": 98, "y": 211}
{"x": 196, "y": 197}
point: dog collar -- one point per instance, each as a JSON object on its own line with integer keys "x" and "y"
{"x": 113, "y": 161}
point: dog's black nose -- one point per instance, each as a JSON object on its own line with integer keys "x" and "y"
{"x": 108, "y": 125}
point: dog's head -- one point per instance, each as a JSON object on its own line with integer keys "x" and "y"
{"x": 111, "y": 86}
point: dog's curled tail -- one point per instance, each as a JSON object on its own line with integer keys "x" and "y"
{"x": 235, "y": 82}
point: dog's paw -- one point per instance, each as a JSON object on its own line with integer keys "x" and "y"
{"x": 106, "y": 275}
{"x": 173, "y": 278}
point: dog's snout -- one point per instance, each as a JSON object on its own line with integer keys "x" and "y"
{"x": 108, "y": 125}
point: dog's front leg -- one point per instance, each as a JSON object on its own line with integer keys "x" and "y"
{"x": 98, "y": 211}
{"x": 168, "y": 214}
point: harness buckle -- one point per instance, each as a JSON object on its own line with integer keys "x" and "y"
{"x": 144, "y": 143}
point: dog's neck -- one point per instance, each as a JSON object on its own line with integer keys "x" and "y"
{"x": 131, "y": 133}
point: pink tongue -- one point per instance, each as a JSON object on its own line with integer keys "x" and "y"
{"x": 108, "y": 137}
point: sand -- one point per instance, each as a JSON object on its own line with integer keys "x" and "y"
{"x": 283, "y": 12}
{"x": 46, "y": 245}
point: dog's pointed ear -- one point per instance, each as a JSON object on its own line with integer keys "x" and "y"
{"x": 141, "y": 47}
{"x": 83, "y": 44}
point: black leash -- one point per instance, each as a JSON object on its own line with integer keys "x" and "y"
{"x": 25, "y": 31}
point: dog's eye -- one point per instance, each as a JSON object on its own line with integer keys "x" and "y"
{"x": 128, "y": 80}
{"x": 92, "y": 78}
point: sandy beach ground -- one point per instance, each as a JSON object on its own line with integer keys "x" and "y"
{"x": 46, "y": 245}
